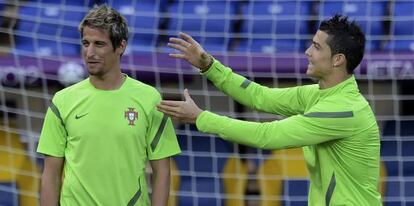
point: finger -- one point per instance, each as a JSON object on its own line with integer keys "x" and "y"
{"x": 187, "y": 38}
{"x": 170, "y": 114}
{"x": 171, "y": 103}
{"x": 187, "y": 96}
{"x": 175, "y": 119}
{"x": 164, "y": 108}
{"x": 179, "y": 41}
{"x": 167, "y": 110}
{"x": 177, "y": 47}
{"x": 179, "y": 56}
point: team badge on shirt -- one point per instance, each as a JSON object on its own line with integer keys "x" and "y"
{"x": 131, "y": 116}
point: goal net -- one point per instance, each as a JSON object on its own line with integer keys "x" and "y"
{"x": 261, "y": 39}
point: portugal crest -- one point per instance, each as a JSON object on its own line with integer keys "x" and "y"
{"x": 131, "y": 116}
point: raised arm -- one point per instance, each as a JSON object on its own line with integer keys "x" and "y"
{"x": 191, "y": 51}
{"x": 287, "y": 102}
{"x": 51, "y": 181}
{"x": 283, "y": 101}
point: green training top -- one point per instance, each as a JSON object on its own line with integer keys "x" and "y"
{"x": 106, "y": 138}
{"x": 336, "y": 128}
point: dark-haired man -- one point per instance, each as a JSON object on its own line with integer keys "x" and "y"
{"x": 331, "y": 120}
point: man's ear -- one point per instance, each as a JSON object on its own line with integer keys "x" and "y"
{"x": 339, "y": 60}
{"x": 121, "y": 48}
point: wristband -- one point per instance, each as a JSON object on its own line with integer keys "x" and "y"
{"x": 202, "y": 70}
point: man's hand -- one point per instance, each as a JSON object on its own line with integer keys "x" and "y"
{"x": 191, "y": 50}
{"x": 185, "y": 111}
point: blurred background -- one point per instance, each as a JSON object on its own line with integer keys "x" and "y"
{"x": 261, "y": 39}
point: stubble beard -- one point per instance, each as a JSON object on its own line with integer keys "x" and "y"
{"x": 95, "y": 72}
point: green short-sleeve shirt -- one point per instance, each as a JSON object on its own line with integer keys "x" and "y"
{"x": 106, "y": 138}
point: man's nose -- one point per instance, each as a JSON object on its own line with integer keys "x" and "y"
{"x": 307, "y": 52}
{"x": 90, "y": 51}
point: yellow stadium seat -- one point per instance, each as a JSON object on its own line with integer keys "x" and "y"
{"x": 235, "y": 181}
{"x": 174, "y": 184}
{"x": 282, "y": 164}
{"x": 16, "y": 167}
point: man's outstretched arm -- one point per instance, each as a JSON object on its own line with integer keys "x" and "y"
{"x": 296, "y": 131}
{"x": 287, "y": 102}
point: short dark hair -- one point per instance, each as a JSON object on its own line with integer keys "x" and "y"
{"x": 345, "y": 37}
{"x": 108, "y": 19}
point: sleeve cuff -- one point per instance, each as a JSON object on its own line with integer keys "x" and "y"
{"x": 201, "y": 119}
{"x": 215, "y": 72}
{"x": 210, "y": 122}
{"x": 204, "y": 122}
{"x": 50, "y": 153}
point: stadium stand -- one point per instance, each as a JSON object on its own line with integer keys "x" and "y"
{"x": 48, "y": 23}
{"x": 403, "y": 28}
{"x": 19, "y": 183}
{"x": 369, "y": 15}
{"x": 199, "y": 18}
{"x": 206, "y": 167}
{"x": 284, "y": 172}
{"x": 277, "y": 26}
{"x": 2, "y": 8}
{"x": 143, "y": 19}
{"x": 257, "y": 38}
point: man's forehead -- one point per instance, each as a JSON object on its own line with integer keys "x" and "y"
{"x": 320, "y": 37}
{"x": 95, "y": 32}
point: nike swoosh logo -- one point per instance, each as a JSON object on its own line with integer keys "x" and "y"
{"x": 80, "y": 116}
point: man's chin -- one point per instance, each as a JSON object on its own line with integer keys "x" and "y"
{"x": 92, "y": 71}
{"x": 309, "y": 72}
{"x": 94, "y": 74}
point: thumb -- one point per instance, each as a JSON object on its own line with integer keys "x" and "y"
{"x": 187, "y": 95}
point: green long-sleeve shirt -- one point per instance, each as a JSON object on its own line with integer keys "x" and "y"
{"x": 336, "y": 128}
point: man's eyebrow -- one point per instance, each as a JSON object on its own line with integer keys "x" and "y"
{"x": 96, "y": 42}
{"x": 316, "y": 43}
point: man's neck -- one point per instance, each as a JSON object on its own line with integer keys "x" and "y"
{"x": 333, "y": 80}
{"x": 109, "y": 81}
